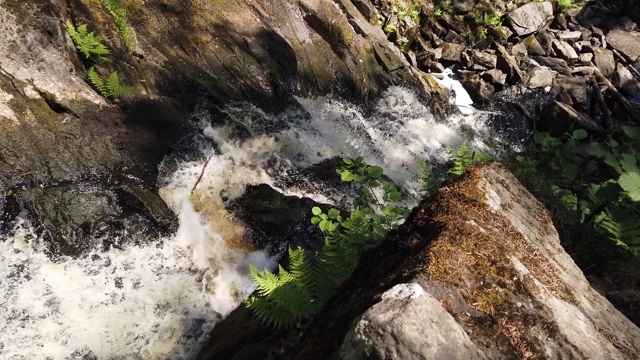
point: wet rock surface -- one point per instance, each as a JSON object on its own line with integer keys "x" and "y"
{"x": 482, "y": 259}
{"x": 56, "y": 129}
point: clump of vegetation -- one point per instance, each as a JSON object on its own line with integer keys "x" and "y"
{"x": 564, "y": 5}
{"x": 298, "y": 292}
{"x": 441, "y": 7}
{"x": 110, "y": 85}
{"x": 603, "y": 203}
{"x": 86, "y": 42}
{"x": 119, "y": 14}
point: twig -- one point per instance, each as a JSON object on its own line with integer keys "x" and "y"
{"x": 603, "y": 105}
{"x": 633, "y": 114}
{"x": 204, "y": 167}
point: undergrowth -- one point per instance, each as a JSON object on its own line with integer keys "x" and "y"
{"x": 110, "y": 85}
{"x": 119, "y": 14}
{"x": 87, "y": 43}
{"x": 298, "y": 292}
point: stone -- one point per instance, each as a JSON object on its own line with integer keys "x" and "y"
{"x": 463, "y": 6}
{"x": 483, "y": 247}
{"x": 626, "y": 42}
{"x": 539, "y": 77}
{"x": 519, "y": 51}
{"x": 558, "y": 65}
{"x": 533, "y": 46}
{"x": 484, "y": 59}
{"x": 603, "y": 60}
{"x": 585, "y": 58}
{"x": 452, "y": 51}
{"x": 573, "y": 88}
{"x": 407, "y": 324}
{"x": 558, "y": 118}
{"x": 437, "y": 68}
{"x": 495, "y": 77}
{"x": 367, "y": 10}
{"x": 453, "y": 37}
{"x": 569, "y": 36}
{"x": 531, "y": 17}
{"x": 479, "y": 90}
{"x": 545, "y": 39}
{"x": 564, "y": 51}
{"x": 624, "y": 80}
{"x": 508, "y": 64}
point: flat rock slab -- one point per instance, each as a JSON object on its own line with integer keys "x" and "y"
{"x": 627, "y": 42}
{"x": 531, "y": 17}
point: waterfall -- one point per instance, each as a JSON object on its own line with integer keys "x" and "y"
{"x": 158, "y": 300}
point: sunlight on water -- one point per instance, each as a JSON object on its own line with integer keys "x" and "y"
{"x": 160, "y": 299}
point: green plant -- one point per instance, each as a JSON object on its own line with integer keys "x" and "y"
{"x": 492, "y": 19}
{"x": 312, "y": 278}
{"x": 86, "y": 42}
{"x": 411, "y": 11}
{"x": 430, "y": 182}
{"x": 554, "y": 171}
{"x": 464, "y": 157}
{"x": 564, "y": 5}
{"x": 109, "y": 86}
{"x": 389, "y": 29}
{"x": 437, "y": 10}
{"x": 119, "y": 14}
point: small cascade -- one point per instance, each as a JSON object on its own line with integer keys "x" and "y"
{"x": 158, "y": 300}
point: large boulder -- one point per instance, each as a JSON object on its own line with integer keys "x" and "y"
{"x": 531, "y": 17}
{"x": 60, "y": 136}
{"x": 484, "y": 276}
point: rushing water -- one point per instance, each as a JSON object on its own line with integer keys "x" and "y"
{"x": 159, "y": 300}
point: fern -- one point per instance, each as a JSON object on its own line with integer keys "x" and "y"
{"x": 86, "y": 42}
{"x": 298, "y": 293}
{"x": 119, "y": 14}
{"x": 464, "y": 157}
{"x": 109, "y": 86}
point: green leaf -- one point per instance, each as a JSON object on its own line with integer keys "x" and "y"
{"x": 631, "y": 131}
{"x": 359, "y": 160}
{"x": 346, "y": 176}
{"x": 315, "y": 220}
{"x": 395, "y": 196}
{"x": 597, "y": 149}
{"x": 347, "y": 161}
{"x": 325, "y": 225}
{"x": 579, "y": 134}
{"x": 316, "y": 211}
{"x": 333, "y": 213}
{"x": 630, "y": 182}
{"x": 375, "y": 171}
{"x": 628, "y": 163}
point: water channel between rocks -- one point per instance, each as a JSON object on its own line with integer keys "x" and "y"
{"x": 159, "y": 300}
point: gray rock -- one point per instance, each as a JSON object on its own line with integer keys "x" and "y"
{"x": 437, "y": 68}
{"x": 627, "y": 42}
{"x": 484, "y": 59}
{"x": 539, "y": 77}
{"x": 519, "y": 50}
{"x": 558, "y": 65}
{"x": 408, "y": 324}
{"x": 463, "y": 6}
{"x": 571, "y": 90}
{"x": 564, "y": 50}
{"x": 603, "y": 60}
{"x": 479, "y": 90}
{"x": 558, "y": 118}
{"x": 508, "y": 64}
{"x": 453, "y": 37}
{"x": 531, "y": 17}
{"x": 452, "y": 51}
{"x": 585, "y": 58}
{"x": 533, "y": 46}
{"x": 495, "y": 77}
{"x": 367, "y": 10}
{"x": 623, "y": 79}
{"x": 570, "y": 36}
{"x": 545, "y": 39}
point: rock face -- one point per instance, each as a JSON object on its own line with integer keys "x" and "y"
{"x": 482, "y": 275}
{"x": 531, "y": 17}
{"x": 57, "y": 132}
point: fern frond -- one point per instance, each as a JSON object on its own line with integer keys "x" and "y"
{"x": 86, "y": 42}
{"x": 111, "y": 85}
{"x": 97, "y": 80}
{"x": 119, "y": 14}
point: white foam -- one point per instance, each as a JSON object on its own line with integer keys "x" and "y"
{"x": 158, "y": 300}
